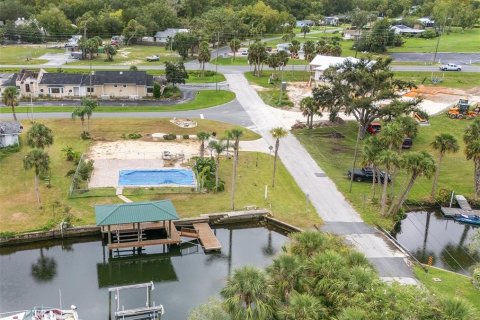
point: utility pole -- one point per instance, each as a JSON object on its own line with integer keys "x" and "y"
{"x": 216, "y": 64}
{"x": 281, "y": 85}
{"x": 438, "y": 41}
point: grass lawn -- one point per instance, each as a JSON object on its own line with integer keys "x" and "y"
{"x": 20, "y": 211}
{"x": 204, "y": 99}
{"x": 335, "y": 156}
{"x": 456, "y": 41}
{"x": 14, "y": 54}
{"x": 271, "y": 92}
{"x": 133, "y": 55}
{"x": 460, "y": 80}
{"x": 453, "y": 285}
{"x": 243, "y": 61}
{"x": 286, "y": 200}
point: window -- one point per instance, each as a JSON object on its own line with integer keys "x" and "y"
{"x": 55, "y": 90}
{"x": 149, "y": 89}
{"x": 90, "y": 89}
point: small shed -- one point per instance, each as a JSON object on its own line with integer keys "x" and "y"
{"x": 9, "y": 132}
{"x": 321, "y": 62}
{"x": 138, "y": 224}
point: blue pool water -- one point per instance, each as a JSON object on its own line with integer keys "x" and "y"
{"x": 156, "y": 177}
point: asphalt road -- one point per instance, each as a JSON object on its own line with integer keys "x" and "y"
{"x": 231, "y": 112}
{"x": 442, "y": 57}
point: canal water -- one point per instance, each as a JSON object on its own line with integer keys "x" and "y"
{"x": 428, "y": 233}
{"x": 80, "y": 272}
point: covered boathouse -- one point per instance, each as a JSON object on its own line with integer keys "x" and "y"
{"x": 138, "y": 224}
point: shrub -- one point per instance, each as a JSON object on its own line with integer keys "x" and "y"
{"x": 209, "y": 73}
{"x": 476, "y": 277}
{"x": 156, "y": 90}
{"x": 133, "y": 68}
{"x": 70, "y": 154}
{"x": 428, "y": 34}
{"x": 85, "y": 135}
{"x": 85, "y": 169}
{"x": 134, "y": 136}
{"x": 170, "y": 136}
{"x": 186, "y": 136}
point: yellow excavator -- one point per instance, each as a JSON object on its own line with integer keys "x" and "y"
{"x": 463, "y": 110}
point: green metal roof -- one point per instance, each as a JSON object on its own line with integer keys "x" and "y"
{"x": 150, "y": 211}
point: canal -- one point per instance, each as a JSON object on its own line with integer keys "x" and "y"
{"x": 428, "y": 234}
{"x": 79, "y": 272}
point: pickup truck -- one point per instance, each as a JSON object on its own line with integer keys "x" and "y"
{"x": 450, "y": 67}
{"x": 365, "y": 174}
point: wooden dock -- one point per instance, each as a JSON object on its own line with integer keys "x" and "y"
{"x": 465, "y": 208}
{"x": 206, "y": 236}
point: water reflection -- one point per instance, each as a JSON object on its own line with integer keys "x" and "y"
{"x": 428, "y": 234}
{"x": 45, "y": 268}
{"x": 183, "y": 277}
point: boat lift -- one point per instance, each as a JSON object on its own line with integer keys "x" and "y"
{"x": 150, "y": 312}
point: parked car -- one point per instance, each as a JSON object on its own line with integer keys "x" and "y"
{"x": 116, "y": 40}
{"x": 365, "y": 174}
{"x": 450, "y": 67}
{"x": 153, "y": 58}
{"x": 374, "y": 128}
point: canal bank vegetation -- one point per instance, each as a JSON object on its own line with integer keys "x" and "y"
{"x": 20, "y": 210}
{"x": 319, "y": 277}
{"x": 449, "y": 285}
{"x": 333, "y": 149}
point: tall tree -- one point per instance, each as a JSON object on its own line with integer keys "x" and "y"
{"x": 257, "y": 54}
{"x": 472, "y": 151}
{"x": 39, "y": 136}
{"x": 203, "y": 55}
{"x": 202, "y": 136}
{"x": 234, "y": 46}
{"x": 389, "y": 160}
{"x": 55, "y": 22}
{"x": 417, "y": 164}
{"x": 85, "y": 110}
{"x": 443, "y": 143}
{"x": 371, "y": 151}
{"x": 235, "y": 134}
{"x": 110, "y": 51}
{"x": 277, "y": 133}
{"x": 309, "y": 108}
{"x": 294, "y": 48}
{"x": 303, "y": 306}
{"x": 309, "y": 50}
{"x": 246, "y": 297}
{"x": 40, "y": 162}
{"x": 133, "y": 31}
{"x": 218, "y": 147}
{"x": 305, "y": 29}
{"x": 175, "y": 72}
{"x": 10, "y": 99}
{"x": 359, "y": 87}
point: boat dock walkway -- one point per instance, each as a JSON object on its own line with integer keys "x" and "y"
{"x": 465, "y": 208}
{"x": 206, "y": 236}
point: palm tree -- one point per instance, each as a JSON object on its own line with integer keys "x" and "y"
{"x": 9, "y": 98}
{"x": 443, "y": 143}
{"x": 285, "y": 272}
{"x": 89, "y": 105}
{"x": 303, "y": 306}
{"x": 472, "y": 151}
{"x": 202, "y": 136}
{"x": 39, "y": 136}
{"x": 40, "y": 161}
{"x": 389, "y": 159}
{"x": 277, "y": 133}
{"x": 218, "y": 147}
{"x": 417, "y": 164}
{"x": 309, "y": 108}
{"x": 392, "y": 136}
{"x": 294, "y": 47}
{"x": 235, "y": 134}
{"x": 234, "y": 46}
{"x": 203, "y": 55}
{"x": 371, "y": 150}
{"x": 246, "y": 294}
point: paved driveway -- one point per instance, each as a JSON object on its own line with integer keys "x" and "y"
{"x": 331, "y": 205}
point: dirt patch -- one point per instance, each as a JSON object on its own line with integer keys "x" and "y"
{"x": 296, "y": 91}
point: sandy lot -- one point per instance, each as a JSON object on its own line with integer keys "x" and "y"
{"x": 111, "y": 157}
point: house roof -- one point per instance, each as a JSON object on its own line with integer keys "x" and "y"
{"x": 10, "y": 82}
{"x": 10, "y": 127}
{"x": 62, "y": 78}
{"x": 321, "y": 62}
{"x": 120, "y": 77}
{"x": 170, "y": 32}
{"x": 110, "y": 214}
{"x": 400, "y": 28}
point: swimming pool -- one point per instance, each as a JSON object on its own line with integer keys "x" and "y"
{"x": 156, "y": 177}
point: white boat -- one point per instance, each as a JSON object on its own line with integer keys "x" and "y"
{"x": 42, "y": 313}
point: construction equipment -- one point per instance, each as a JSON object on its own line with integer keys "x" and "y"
{"x": 463, "y": 110}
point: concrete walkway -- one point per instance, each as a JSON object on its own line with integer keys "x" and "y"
{"x": 331, "y": 205}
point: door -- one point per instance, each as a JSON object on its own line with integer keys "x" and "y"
{"x": 76, "y": 91}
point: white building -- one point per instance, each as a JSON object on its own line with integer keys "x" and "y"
{"x": 9, "y": 132}
{"x": 320, "y": 63}
{"x": 404, "y": 30}
{"x": 163, "y": 36}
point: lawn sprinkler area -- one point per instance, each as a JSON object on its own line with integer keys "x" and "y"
{"x": 157, "y": 178}
{"x": 142, "y": 163}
